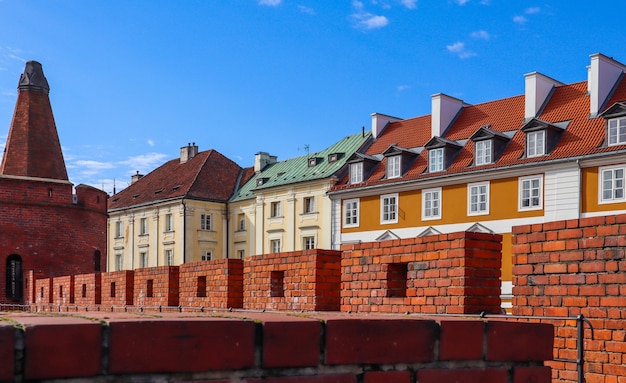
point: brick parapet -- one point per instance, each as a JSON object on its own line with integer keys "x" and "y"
{"x": 156, "y": 286}
{"x": 118, "y": 288}
{"x": 254, "y": 347}
{"x": 570, "y": 268}
{"x": 214, "y": 284}
{"x": 448, "y": 273}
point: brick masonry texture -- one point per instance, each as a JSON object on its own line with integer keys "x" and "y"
{"x": 571, "y": 268}
{"x": 223, "y": 284}
{"x": 243, "y": 346}
{"x": 457, "y": 273}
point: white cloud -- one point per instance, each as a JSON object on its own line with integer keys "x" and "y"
{"x": 357, "y": 4}
{"x": 95, "y": 165}
{"x": 307, "y": 10}
{"x": 411, "y": 4}
{"x": 402, "y": 88}
{"x": 366, "y": 20}
{"x": 520, "y": 20}
{"x": 532, "y": 11}
{"x": 461, "y": 2}
{"x": 270, "y": 3}
{"x": 458, "y": 48}
{"x": 484, "y": 35}
{"x": 150, "y": 142}
{"x": 144, "y": 162}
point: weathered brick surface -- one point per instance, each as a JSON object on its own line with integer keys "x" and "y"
{"x": 223, "y": 284}
{"x": 388, "y": 377}
{"x": 309, "y": 280}
{"x": 118, "y": 288}
{"x": 156, "y": 286}
{"x": 585, "y": 276}
{"x": 63, "y": 290}
{"x": 457, "y": 273}
{"x": 469, "y": 375}
{"x": 279, "y": 348}
{"x": 7, "y": 352}
{"x": 88, "y": 289}
{"x": 461, "y": 340}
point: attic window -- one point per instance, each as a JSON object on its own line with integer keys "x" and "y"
{"x": 280, "y": 174}
{"x": 313, "y": 161}
{"x": 441, "y": 153}
{"x": 115, "y": 199}
{"x": 135, "y": 196}
{"x": 541, "y": 136}
{"x": 333, "y": 157}
{"x": 261, "y": 181}
{"x": 158, "y": 191}
{"x": 176, "y": 187}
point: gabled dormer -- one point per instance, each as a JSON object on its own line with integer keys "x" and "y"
{"x": 398, "y": 160}
{"x": 441, "y": 153}
{"x": 541, "y": 137}
{"x": 361, "y": 166}
{"x": 488, "y": 145}
{"x": 615, "y": 117}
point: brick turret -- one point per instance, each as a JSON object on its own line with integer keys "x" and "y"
{"x": 33, "y": 148}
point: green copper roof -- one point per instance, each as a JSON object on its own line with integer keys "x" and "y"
{"x": 295, "y": 170}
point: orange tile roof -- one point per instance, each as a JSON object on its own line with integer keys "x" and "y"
{"x": 568, "y": 104}
{"x": 208, "y": 176}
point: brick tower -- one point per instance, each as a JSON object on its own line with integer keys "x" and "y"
{"x": 44, "y": 227}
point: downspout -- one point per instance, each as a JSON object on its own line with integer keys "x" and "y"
{"x": 227, "y": 231}
{"x": 184, "y": 231}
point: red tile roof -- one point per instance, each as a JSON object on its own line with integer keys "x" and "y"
{"x": 569, "y": 104}
{"x": 207, "y": 176}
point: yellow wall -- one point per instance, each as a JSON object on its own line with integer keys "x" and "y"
{"x": 589, "y": 199}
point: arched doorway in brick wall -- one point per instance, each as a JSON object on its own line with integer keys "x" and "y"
{"x": 14, "y": 278}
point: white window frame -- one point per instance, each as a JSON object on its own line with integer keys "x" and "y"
{"x": 206, "y": 222}
{"x": 308, "y": 242}
{"x": 169, "y": 257}
{"x": 616, "y": 187}
{"x": 351, "y": 212}
{"x": 356, "y": 173}
{"x": 536, "y": 143}
{"x": 241, "y": 222}
{"x": 143, "y": 258}
{"x": 393, "y": 166}
{"x": 207, "y": 255}
{"x": 169, "y": 222}
{"x": 480, "y": 190}
{"x": 523, "y": 181}
{"x": 143, "y": 226}
{"x": 308, "y": 205}
{"x": 389, "y": 207}
{"x": 275, "y": 245}
{"x": 616, "y": 131}
{"x": 119, "y": 262}
{"x": 435, "y": 160}
{"x": 483, "y": 152}
{"x": 241, "y": 253}
{"x": 430, "y": 197}
{"x": 119, "y": 229}
{"x": 275, "y": 211}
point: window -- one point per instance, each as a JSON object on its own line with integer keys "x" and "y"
{"x": 396, "y": 279}
{"x": 309, "y": 204}
{"x": 536, "y": 143}
{"x": 351, "y": 213}
{"x": 143, "y": 226}
{"x": 389, "y": 208}
{"x": 150, "y": 288}
{"x": 435, "y": 160}
{"x": 169, "y": 257}
{"x": 14, "y": 285}
{"x": 393, "y": 167}
{"x": 356, "y": 173}
{"x": 308, "y": 243}
{"x": 275, "y": 209}
{"x": 118, "y": 229}
{"x": 207, "y": 256}
{"x": 277, "y": 284}
{"x": 431, "y": 204}
{"x": 275, "y": 245}
{"x": 205, "y": 222}
{"x": 530, "y": 193}
{"x": 617, "y": 131}
{"x": 201, "y": 287}
{"x": 169, "y": 222}
{"x": 119, "y": 262}
{"x": 241, "y": 254}
{"x": 143, "y": 258}
{"x": 241, "y": 219}
{"x": 612, "y": 184}
{"x": 483, "y": 152}
{"x": 478, "y": 198}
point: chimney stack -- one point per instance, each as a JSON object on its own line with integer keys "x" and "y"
{"x": 538, "y": 89}
{"x": 188, "y": 152}
{"x": 135, "y": 177}
{"x": 444, "y": 110}
{"x": 603, "y": 74}
{"x": 379, "y": 121}
{"x": 262, "y": 159}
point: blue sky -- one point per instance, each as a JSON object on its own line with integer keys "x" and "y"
{"x": 133, "y": 81}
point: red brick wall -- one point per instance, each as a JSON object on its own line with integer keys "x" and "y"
{"x": 222, "y": 288}
{"x": 273, "y": 348}
{"x": 304, "y": 280}
{"x": 43, "y": 291}
{"x": 456, "y": 273}
{"x": 567, "y": 268}
{"x": 63, "y": 290}
{"x": 156, "y": 286}
{"x": 52, "y": 236}
{"x": 124, "y": 283}
{"x": 91, "y": 286}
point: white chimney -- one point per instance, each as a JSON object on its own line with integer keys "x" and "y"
{"x": 262, "y": 159}
{"x": 379, "y": 121}
{"x": 135, "y": 177}
{"x": 188, "y": 152}
{"x": 444, "y": 110}
{"x": 603, "y": 75}
{"x": 538, "y": 88}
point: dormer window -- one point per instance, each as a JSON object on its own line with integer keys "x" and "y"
{"x": 617, "y": 131}
{"x": 356, "y": 173}
{"x": 536, "y": 143}
{"x": 435, "y": 160}
{"x": 313, "y": 161}
{"x": 488, "y": 145}
{"x": 393, "y": 167}
{"x": 483, "y": 152}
